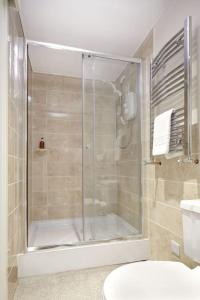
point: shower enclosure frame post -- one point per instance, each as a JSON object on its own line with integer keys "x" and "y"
{"x": 83, "y": 145}
{"x": 188, "y": 87}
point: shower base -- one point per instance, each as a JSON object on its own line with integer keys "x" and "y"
{"x": 69, "y": 231}
{"x": 101, "y": 248}
{"x": 65, "y": 258}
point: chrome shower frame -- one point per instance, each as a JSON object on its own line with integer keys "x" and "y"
{"x": 137, "y": 61}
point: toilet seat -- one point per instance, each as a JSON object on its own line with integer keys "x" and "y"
{"x": 153, "y": 280}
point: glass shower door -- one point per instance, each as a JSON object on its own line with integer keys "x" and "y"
{"x": 111, "y": 149}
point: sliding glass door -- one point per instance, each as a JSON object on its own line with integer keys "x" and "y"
{"x": 111, "y": 149}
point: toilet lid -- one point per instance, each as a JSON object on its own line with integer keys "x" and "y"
{"x": 152, "y": 280}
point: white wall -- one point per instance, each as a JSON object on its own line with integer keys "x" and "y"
{"x": 172, "y": 20}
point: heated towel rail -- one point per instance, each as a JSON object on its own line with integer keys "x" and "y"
{"x": 170, "y": 84}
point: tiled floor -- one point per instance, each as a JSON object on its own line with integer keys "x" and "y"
{"x": 69, "y": 231}
{"x": 72, "y": 285}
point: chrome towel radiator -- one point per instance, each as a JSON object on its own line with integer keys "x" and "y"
{"x": 170, "y": 86}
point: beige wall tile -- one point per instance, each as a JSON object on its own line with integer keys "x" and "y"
{"x": 167, "y": 216}
{"x": 39, "y": 168}
{"x": 63, "y": 169}
{"x": 39, "y": 81}
{"x": 16, "y": 149}
{"x": 39, "y": 96}
{"x": 39, "y": 124}
{"x": 63, "y": 141}
{"x": 61, "y": 197}
{"x": 39, "y": 213}
{"x": 73, "y": 155}
{"x": 55, "y": 125}
{"x": 63, "y": 102}
{"x": 39, "y": 199}
{"x": 39, "y": 183}
{"x": 161, "y": 245}
{"x": 64, "y": 183}
{"x": 56, "y": 182}
{"x": 129, "y": 168}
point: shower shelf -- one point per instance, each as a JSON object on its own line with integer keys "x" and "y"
{"x": 146, "y": 162}
{"x": 41, "y": 150}
{"x": 170, "y": 82}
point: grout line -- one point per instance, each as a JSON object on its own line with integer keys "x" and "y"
{"x": 168, "y": 205}
{"x": 177, "y": 181}
{"x": 165, "y": 228}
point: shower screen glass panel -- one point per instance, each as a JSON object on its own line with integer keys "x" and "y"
{"x": 111, "y": 149}
{"x": 55, "y": 170}
{"x": 84, "y": 182}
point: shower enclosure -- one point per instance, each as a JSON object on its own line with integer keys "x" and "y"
{"x": 84, "y": 186}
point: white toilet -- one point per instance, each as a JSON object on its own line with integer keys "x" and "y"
{"x": 161, "y": 280}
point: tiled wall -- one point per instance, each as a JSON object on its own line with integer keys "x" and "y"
{"x": 55, "y": 114}
{"x": 100, "y": 170}
{"x": 56, "y": 173}
{"x": 166, "y": 185}
{"x": 129, "y": 147}
{"x": 16, "y": 146}
{"x": 115, "y": 172}
{"x": 173, "y": 181}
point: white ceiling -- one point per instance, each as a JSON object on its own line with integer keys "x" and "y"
{"x": 113, "y": 26}
{"x": 51, "y": 61}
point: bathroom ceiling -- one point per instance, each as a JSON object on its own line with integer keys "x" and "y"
{"x": 113, "y": 26}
